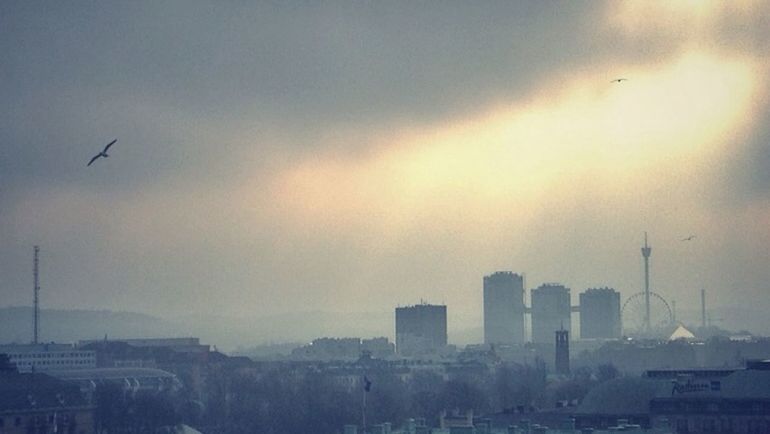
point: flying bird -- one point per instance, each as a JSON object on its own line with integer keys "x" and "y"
{"x": 103, "y": 153}
{"x": 690, "y": 238}
{"x": 618, "y": 80}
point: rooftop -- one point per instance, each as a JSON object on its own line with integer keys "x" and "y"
{"x": 36, "y": 391}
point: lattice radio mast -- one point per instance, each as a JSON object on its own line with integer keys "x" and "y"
{"x": 37, "y": 291}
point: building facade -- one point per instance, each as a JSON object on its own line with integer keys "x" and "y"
{"x": 719, "y": 400}
{"x": 504, "y": 308}
{"x": 379, "y": 348}
{"x": 421, "y": 329}
{"x": 600, "y": 314}
{"x": 714, "y": 400}
{"x": 551, "y": 311}
{"x": 48, "y": 357}
{"x": 37, "y": 403}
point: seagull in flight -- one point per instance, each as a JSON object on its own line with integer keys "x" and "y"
{"x": 618, "y": 80}
{"x": 690, "y": 238}
{"x": 103, "y": 153}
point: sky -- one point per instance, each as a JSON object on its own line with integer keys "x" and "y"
{"x": 355, "y": 156}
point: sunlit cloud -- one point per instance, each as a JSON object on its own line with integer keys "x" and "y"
{"x": 468, "y": 170}
{"x": 687, "y": 21}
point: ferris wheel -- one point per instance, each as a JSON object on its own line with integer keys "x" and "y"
{"x": 634, "y": 313}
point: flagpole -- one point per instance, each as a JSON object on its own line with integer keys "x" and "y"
{"x": 365, "y": 391}
{"x": 363, "y": 411}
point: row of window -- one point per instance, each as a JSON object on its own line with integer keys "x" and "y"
{"x": 721, "y": 425}
{"x": 55, "y": 362}
{"x": 81, "y": 354}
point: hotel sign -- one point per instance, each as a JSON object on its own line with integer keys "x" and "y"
{"x": 691, "y": 386}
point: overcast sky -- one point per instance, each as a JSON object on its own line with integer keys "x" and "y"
{"x": 354, "y": 156}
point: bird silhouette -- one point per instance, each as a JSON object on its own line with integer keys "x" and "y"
{"x": 618, "y": 80}
{"x": 102, "y": 154}
{"x": 690, "y": 238}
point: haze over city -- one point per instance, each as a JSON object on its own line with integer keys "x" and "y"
{"x": 343, "y": 157}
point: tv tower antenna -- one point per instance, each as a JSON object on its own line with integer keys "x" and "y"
{"x": 646, "y": 251}
{"x": 37, "y": 291}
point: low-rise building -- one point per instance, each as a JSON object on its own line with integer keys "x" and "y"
{"x": 736, "y": 402}
{"x": 683, "y": 401}
{"x": 180, "y": 345}
{"x": 129, "y": 379}
{"x": 379, "y": 348}
{"x": 38, "y": 403}
{"x": 48, "y": 357}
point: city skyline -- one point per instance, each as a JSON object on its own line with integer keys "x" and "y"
{"x": 506, "y": 320}
{"x": 394, "y": 217}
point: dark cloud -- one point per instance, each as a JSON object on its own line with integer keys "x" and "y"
{"x": 167, "y": 79}
{"x": 329, "y": 61}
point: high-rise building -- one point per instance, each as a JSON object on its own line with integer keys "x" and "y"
{"x": 600, "y": 314}
{"x": 503, "y": 308}
{"x": 562, "y": 352}
{"x": 550, "y": 311}
{"x": 420, "y": 329}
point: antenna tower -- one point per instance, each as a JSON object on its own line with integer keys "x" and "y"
{"x": 37, "y": 291}
{"x": 646, "y": 251}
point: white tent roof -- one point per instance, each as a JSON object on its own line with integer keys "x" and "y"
{"x": 681, "y": 333}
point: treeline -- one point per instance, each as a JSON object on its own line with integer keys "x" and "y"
{"x": 121, "y": 412}
{"x": 290, "y": 399}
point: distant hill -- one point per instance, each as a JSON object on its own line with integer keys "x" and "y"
{"x": 226, "y": 333}
{"x": 16, "y": 325}
{"x": 302, "y": 327}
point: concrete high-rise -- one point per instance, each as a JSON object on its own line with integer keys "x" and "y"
{"x": 600, "y": 314}
{"x": 420, "y": 329}
{"x": 550, "y": 311}
{"x": 504, "y": 308}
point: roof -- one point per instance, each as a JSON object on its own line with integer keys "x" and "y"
{"x": 748, "y": 383}
{"x": 111, "y": 373}
{"x": 37, "y": 348}
{"x": 35, "y": 391}
{"x": 681, "y": 332}
{"x": 185, "y": 429}
{"x": 622, "y": 396}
